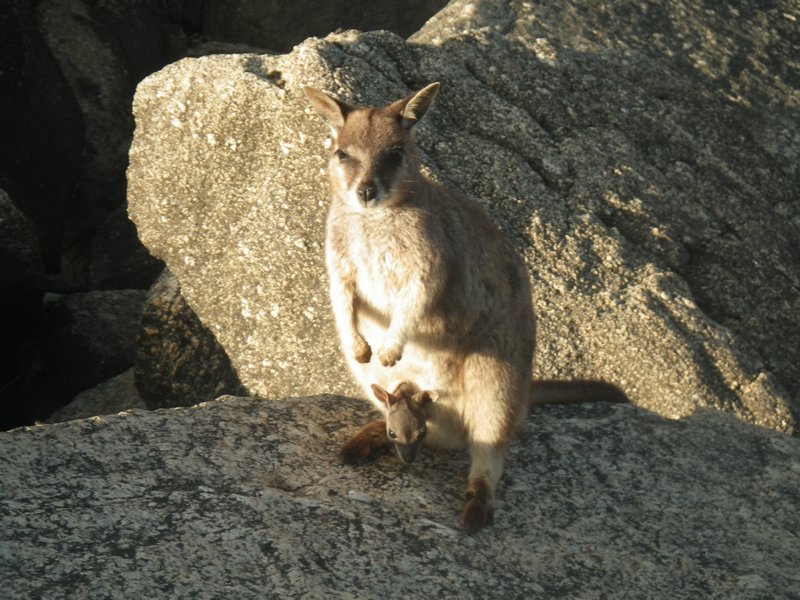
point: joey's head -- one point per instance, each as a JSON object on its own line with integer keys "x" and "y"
{"x": 373, "y": 159}
{"x": 405, "y": 418}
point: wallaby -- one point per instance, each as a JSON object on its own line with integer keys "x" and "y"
{"x": 403, "y": 425}
{"x": 405, "y": 419}
{"x": 423, "y": 278}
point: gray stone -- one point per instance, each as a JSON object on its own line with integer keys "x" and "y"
{"x": 90, "y": 337}
{"x": 21, "y": 268}
{"x": 118, "y": 260}
{"x": 21, "y": 290}
{"x": 242, "y": 498}
{"x": 277, "y": 26}
{"x": 104, "y": 49}
{"x": 178, "y": 360}
{"x": 659, "y": 228}
{"x": 743, "y": 52}
{"x": 42, "y": 128}
{"x": 110, "y": 397}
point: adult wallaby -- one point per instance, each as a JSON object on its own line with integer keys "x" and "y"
{"x": 426, "y": 289}
{"x": 403, "y": 426}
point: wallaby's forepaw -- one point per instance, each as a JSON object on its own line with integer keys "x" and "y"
{"x": 361, "y": 350}
{"x": 479, "y": 510}
{"x": 390, "y": 355}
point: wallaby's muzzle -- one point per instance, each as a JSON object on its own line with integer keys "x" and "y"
{"x": 367, "y": 193}
{"x": 407, "y": 452}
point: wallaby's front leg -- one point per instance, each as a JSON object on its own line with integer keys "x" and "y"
{"x": 409, "y": 309}
{"x": 343, "y": 294}
{"x": 363, "y": 444}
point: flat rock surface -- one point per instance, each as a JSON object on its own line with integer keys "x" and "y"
{"x": 242, "y": 498}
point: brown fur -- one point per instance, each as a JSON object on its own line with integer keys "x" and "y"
{"x": 575, "y": 392}
{"x": 426, "y": 289}
{"x": 404, "y": 426}
{"x": 365, "y": 443}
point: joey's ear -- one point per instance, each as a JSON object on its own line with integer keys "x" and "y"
{"x": 412, "y": 108}
{"x": 426, "y": 397}
{"x": 329, "y": 108}
{"x": 382, "y": 395}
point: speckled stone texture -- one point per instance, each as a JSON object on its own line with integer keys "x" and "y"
{"x": 242, "y": 498}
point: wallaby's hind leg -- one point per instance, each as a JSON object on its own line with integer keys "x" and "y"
{"x": 496, "y": 393}
{"x": 485, "y": 470}
{"x": 364, "y": 444}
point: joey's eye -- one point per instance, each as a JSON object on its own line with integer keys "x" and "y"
{"x": 342, "y": 155}
{"x": 422, "y": 433}
{"x": 392, "y": 435}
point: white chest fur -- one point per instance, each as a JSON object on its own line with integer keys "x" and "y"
{"x": 379, "y": 280}
{"x": 384, "y": 267}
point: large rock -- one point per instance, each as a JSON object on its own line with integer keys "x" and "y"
{"x": 659, "y": 227}
{"x": 104, "y": 49}
{"x": 277, "y": 26}
{"x": 179, "y": 362}
{"x": 42, "y": 128}
{"x": 116, "y": 395}
{"x": 741, "y": 51}
{"x": 90, "y": 337}
{"x": 21, "y": 289}
{"x": 242, "y": 498}
{"x": 118, "y": 260}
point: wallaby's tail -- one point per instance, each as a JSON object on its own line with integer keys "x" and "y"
{"x": 574, "y": 392}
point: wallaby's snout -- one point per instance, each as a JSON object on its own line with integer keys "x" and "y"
{"x": 407, "y": 452}
{"x": 367, "y": 192}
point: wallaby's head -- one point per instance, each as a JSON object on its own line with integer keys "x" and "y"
{"x": 405, "y": 418}
{"x": 373, "y": 158}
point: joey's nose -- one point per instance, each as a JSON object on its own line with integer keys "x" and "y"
{"x": 367, "y": 192}
{"x": 407, "y": 452}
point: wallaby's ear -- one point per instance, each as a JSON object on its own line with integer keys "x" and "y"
{"x": 329, "y": 108}
{"x": 426, "y": 397}
{"x": 382, "y": 395}
{"x": 412, "y": 108}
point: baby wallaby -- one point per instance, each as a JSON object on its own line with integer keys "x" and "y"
{"x": 426, "y": 289}
{"x": 404, "y": 423}
{"x": 403, "y": 426}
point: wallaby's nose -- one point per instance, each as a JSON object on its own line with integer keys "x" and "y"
{"x": 407, "y": 452}
{"x": 367, "y": 192}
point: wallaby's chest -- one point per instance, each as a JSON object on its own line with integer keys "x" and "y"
{"x": 383, "y": 271}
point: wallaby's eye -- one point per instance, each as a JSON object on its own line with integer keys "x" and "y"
{"x": 422, "y": 433}
{"x": 394, "y": 157}
{"x": 342, "y": 155}
{"x": 392, "y": 435}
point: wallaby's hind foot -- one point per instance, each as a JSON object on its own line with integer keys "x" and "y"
{"x": 365, "y": 443}
{"x": 479, "y": 510}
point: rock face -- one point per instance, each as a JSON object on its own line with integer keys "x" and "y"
{"x": 178, "y": 361}
{"x": 657, "y": 213}
{"x": 21, "y": 289}
{"x": 91, "y": 337}
{"x": 242, "y": 498}
{"x": 113, "y": 396}
{"x": 42, "y": 140}
{"x": 277, "y": 26}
